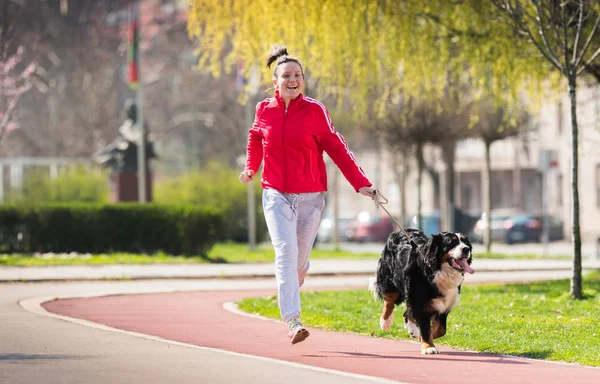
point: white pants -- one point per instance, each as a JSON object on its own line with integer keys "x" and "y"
{"x": 293, "y": 221}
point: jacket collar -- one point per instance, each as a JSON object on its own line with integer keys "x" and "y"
{"x": 294, "y": 103}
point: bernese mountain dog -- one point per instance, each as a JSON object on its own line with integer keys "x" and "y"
{"x": 426, "y": 273}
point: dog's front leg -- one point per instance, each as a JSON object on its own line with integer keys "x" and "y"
{"x": 439, "y": 325}
{"x": 427, "y": 346}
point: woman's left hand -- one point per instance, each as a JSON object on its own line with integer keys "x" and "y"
{"x": 367, "y": 191}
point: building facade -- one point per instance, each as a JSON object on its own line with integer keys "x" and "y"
{"x": 531, "y": 173}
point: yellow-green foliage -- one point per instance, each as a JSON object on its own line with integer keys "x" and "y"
{"x": 360, "y": 48}
{"x": 78, "y": 184}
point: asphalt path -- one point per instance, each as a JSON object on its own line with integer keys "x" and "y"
{"x": 36, "y": 347}
{"x": 116, "y": 332}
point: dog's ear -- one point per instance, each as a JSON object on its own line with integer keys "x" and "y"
{"x": 432, "y": 250}
{"x": 435, "y": 243}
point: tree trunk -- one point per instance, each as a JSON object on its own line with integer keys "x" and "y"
{"x": 399, "y": 168}
{"x": 403, "y": 177}
{"x": 448, "y": 154}
{"x": 517, "y": 178}
{"x": 420, "y": 167}
{"x": 487, "y": 199}
{"x": 576, "y": 284}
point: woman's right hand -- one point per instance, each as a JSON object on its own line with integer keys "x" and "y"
{"x": 247, "y": 176}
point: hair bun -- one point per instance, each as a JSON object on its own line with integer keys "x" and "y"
{"x": 277, "y": 50}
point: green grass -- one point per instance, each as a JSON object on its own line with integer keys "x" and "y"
{"x": 537, "y": 320}
{"x": 43, "y": 260}
{"x": 220, "y": 253}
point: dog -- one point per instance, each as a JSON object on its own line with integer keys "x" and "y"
{"x": 426, "y": 273}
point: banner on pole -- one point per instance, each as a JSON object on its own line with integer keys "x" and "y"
{"x": 133, "y": 40}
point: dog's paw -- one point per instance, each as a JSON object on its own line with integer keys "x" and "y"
{"x": 429, "y": 350}
{"x": 413, "y": 329}
{"x": 385, "y": 324}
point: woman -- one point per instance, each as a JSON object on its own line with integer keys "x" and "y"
{"x": 290, "y": 133}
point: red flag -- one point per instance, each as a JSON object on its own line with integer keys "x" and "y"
{"x": 133, "y": 40}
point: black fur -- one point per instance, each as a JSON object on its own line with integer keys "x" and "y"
{"x": 419, "y": 276}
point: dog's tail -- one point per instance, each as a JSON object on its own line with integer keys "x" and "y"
{"x": 374, "y": 288}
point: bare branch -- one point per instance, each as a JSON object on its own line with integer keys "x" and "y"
{"x": 588, "y": 63}
{"x": 587, "y": 43}
{"x": 7, "y": 114}
{"x": 515, "y": 15}
{"x": 564, "y": 45}
{"x": 577, "y": 34}
{"x": 543, "y": 33}
{"x": 568, "y": 67}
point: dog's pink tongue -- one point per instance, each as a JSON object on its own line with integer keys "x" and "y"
{"x": 465, "y": 266}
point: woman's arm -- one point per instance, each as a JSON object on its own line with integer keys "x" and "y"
{"x": 336, "y": 147}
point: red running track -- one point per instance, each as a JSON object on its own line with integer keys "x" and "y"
{"x": 198, "y": 318}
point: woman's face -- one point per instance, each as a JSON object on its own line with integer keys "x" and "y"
{"x": 289, "y": 80}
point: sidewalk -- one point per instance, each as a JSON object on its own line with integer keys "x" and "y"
{"x": 318, "y": 267}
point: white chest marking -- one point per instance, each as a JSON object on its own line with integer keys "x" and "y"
{"x": 447, "y": 281}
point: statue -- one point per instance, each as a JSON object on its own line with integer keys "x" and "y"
{"x": 121, "y": 156}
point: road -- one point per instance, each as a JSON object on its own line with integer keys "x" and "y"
{"x": 36, "y": 348}
{"x": 559, "y": 248}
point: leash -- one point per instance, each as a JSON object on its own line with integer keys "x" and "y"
{"x": 380, "y": 201}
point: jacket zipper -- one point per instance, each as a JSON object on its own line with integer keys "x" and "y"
{"x": 283, "y": 149}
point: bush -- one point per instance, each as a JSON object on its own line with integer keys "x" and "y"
{"x": 216, "y": 186}
{"x": 102, "y": 228}
{"x": 78, "y": 184}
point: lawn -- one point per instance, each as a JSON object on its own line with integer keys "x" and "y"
{"x": 220, "y": 253}
{"x": 537, "y": 320}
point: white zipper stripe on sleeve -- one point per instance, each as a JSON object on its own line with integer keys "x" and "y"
{"x": 331, "y": 128}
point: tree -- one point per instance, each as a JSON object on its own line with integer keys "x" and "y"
{"x": 76, "y": 96}
{"x": 16, "y": 71}
{"x": 409, "y": 127}
{"x": 565, "y": 34}
{"x": 493, "y": 123}
{"x": 356, "y": 49}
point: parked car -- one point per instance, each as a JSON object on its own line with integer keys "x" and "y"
{"x": 513, "y": 226}
{"x": 325, "y": 233}
{"x": 368, "y": 228}
{"x": 555, "y": 227}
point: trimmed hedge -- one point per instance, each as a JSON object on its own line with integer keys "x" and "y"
{"x": 104, "y": 228}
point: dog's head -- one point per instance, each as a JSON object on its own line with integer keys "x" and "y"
{"x": 452, "y": 248}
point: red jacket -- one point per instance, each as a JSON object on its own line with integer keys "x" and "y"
{"x": 292, "y": 144}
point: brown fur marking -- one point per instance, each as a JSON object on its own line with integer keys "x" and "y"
{"x": 388, "y": 305}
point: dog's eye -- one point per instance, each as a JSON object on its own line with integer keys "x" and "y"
{"x": 454, "y": 238}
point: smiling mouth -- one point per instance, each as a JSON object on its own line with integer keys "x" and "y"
{"x": 461, "y": 265}
{"x": 292, "y": 88}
